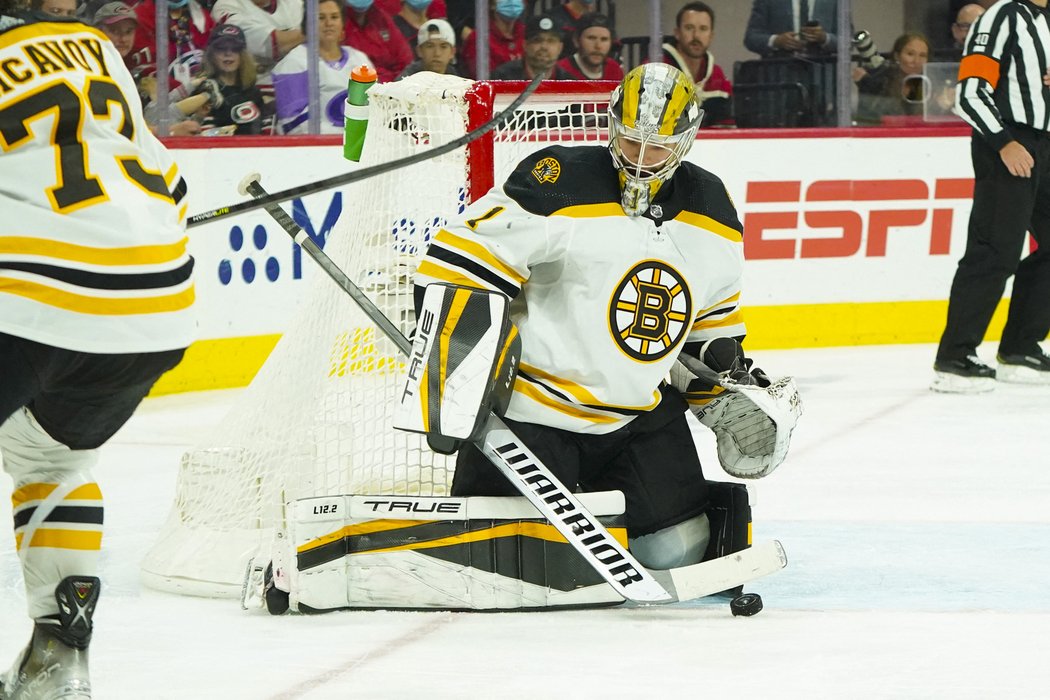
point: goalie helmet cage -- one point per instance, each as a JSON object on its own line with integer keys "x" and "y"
{"x": 316, "y": 420}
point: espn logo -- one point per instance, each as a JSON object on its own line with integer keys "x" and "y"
{"x": 860, "y": 223}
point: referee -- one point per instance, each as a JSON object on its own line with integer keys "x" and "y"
{"x": 1004, "y": 93}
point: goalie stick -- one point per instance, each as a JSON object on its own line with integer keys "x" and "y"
{"x": 370, "y": 171}
{"x": 534, "y": 480}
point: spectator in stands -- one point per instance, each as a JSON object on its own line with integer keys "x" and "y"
{"x": 55, "y": 8}
{"x": 272, "y": 28}
{"x": 566, "y": 16}
{"x": 371, "y": 29}
{"x": 964, "y": 19}
{"x": 460, "y": 15}
{"x": 542, "y": 48}
{"x": 436, "y": 46}
{"x": 694, "y": 32}
{"x": 792, "y": 26}
{"x": 593, "y": 40}
{"x": 119, "y": 22}
{"x": 189, "y": 25}
{"x": 230, "y": 64}
{"x": 897, "y": 86}
{"x": 291, "y": 84}
{"x": 413, "y": 13}
{"x": 506, "y": 36}
{"x": 392, "y": 7}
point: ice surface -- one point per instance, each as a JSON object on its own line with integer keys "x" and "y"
{"x": 916, "y": 524}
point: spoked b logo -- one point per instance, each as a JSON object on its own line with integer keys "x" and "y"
{"x": 650, "y": 311}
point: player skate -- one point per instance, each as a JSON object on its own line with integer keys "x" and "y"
{"x": 966, "y": 376}
{"x": 54, "y": 666}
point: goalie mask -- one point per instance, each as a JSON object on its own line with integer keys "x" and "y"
{"x": 653, "y": 117}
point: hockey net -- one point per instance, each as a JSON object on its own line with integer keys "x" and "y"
{"x": 317, "y": 418}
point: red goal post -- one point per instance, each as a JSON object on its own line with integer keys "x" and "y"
{"x": 486, "y": 98}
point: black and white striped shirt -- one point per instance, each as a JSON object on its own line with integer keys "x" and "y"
{"x": 1006, "y": 56}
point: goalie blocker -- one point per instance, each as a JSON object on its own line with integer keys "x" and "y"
{"x": 478, "y": 553}
{"x": 463, "y": 363}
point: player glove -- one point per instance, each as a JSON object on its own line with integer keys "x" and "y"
{"x": 726, "y": 356}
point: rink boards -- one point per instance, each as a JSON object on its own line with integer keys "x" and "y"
{"x": 851, "y": 237}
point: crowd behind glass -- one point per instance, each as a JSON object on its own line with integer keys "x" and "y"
{"x": 246, "y": 66}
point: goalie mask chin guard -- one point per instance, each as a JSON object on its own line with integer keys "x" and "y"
{"x": 655, "y": 106}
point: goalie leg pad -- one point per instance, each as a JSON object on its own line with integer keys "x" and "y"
{"x": 479, "y": 553}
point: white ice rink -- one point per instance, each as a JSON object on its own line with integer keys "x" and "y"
{"x": 917, "y": 527}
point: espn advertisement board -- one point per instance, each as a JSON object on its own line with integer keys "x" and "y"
{"x": 851, "y": 237}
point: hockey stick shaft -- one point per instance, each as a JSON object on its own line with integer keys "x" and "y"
{"x": 365, "y": 173}
{"x": 515, "y": 461}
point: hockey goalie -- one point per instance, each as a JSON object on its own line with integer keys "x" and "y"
{"x": 563, "y": 302}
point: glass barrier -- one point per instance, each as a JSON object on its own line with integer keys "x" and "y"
{"x": 281, "y": 67}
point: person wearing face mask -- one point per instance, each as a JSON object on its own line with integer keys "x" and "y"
{"x": 506, "y": 36}
{"x": 392, "y": 7}
{"x": 371, "y": 29}
{"x": 542, "y": 48}
{"x": 566, "y": 16}
{"x": 411, "y": 15}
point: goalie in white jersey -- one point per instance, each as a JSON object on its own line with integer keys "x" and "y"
{"x": 619, "y": 259}
{"x": 96, "y": 303}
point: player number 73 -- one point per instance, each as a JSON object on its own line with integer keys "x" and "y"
{"x": 76, "y": 187}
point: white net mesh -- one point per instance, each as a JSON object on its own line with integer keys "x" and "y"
{"x": 317, "y": 418}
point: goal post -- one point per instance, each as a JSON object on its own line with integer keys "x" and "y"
{"x": 317, "y": 418}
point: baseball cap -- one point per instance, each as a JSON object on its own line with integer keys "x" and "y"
{"x": 593, "y": 19}
{"x": 539, "y": 24}
{"x": 227, "y": 35}
{"x": 113, "y": 12}
{"x": 436, "y": 29}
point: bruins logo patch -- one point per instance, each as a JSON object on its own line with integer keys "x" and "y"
{"x": 547, "y": 170}
{"x": 650, "y": 311}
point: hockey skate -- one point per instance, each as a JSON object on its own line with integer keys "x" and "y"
{"x": 1031, "y": 368}
{"x": 55, "y": 664}
{"x": 966, "y": 376}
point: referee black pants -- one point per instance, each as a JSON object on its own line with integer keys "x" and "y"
{"x": 1005, "y": 207}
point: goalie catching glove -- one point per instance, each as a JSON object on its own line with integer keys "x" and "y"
{"x": 463, "y": 364}
{"x": 752, "y": 417}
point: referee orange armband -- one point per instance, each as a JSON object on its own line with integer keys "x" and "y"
{"x": 978, "y": 65}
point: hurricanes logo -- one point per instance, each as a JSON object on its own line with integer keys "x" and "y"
{"x": 650, "y": 311}
{"x": 547, "y": 170}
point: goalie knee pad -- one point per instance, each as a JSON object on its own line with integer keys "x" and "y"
{"x": 463, "y": 363}
{"x": 478, "y": 553}
{"x": 57, "y": 509}
{"x": 679, "y": 545}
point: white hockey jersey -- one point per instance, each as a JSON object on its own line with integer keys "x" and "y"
{"x": 92, "y": 233}
{"x": 609, "y": 300}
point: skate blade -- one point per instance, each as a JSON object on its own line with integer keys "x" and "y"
{"x": 947, "y": 383}
{"x": 1016, "y": 374}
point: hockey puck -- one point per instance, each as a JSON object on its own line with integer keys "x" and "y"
{"x": 746, "y": 604}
